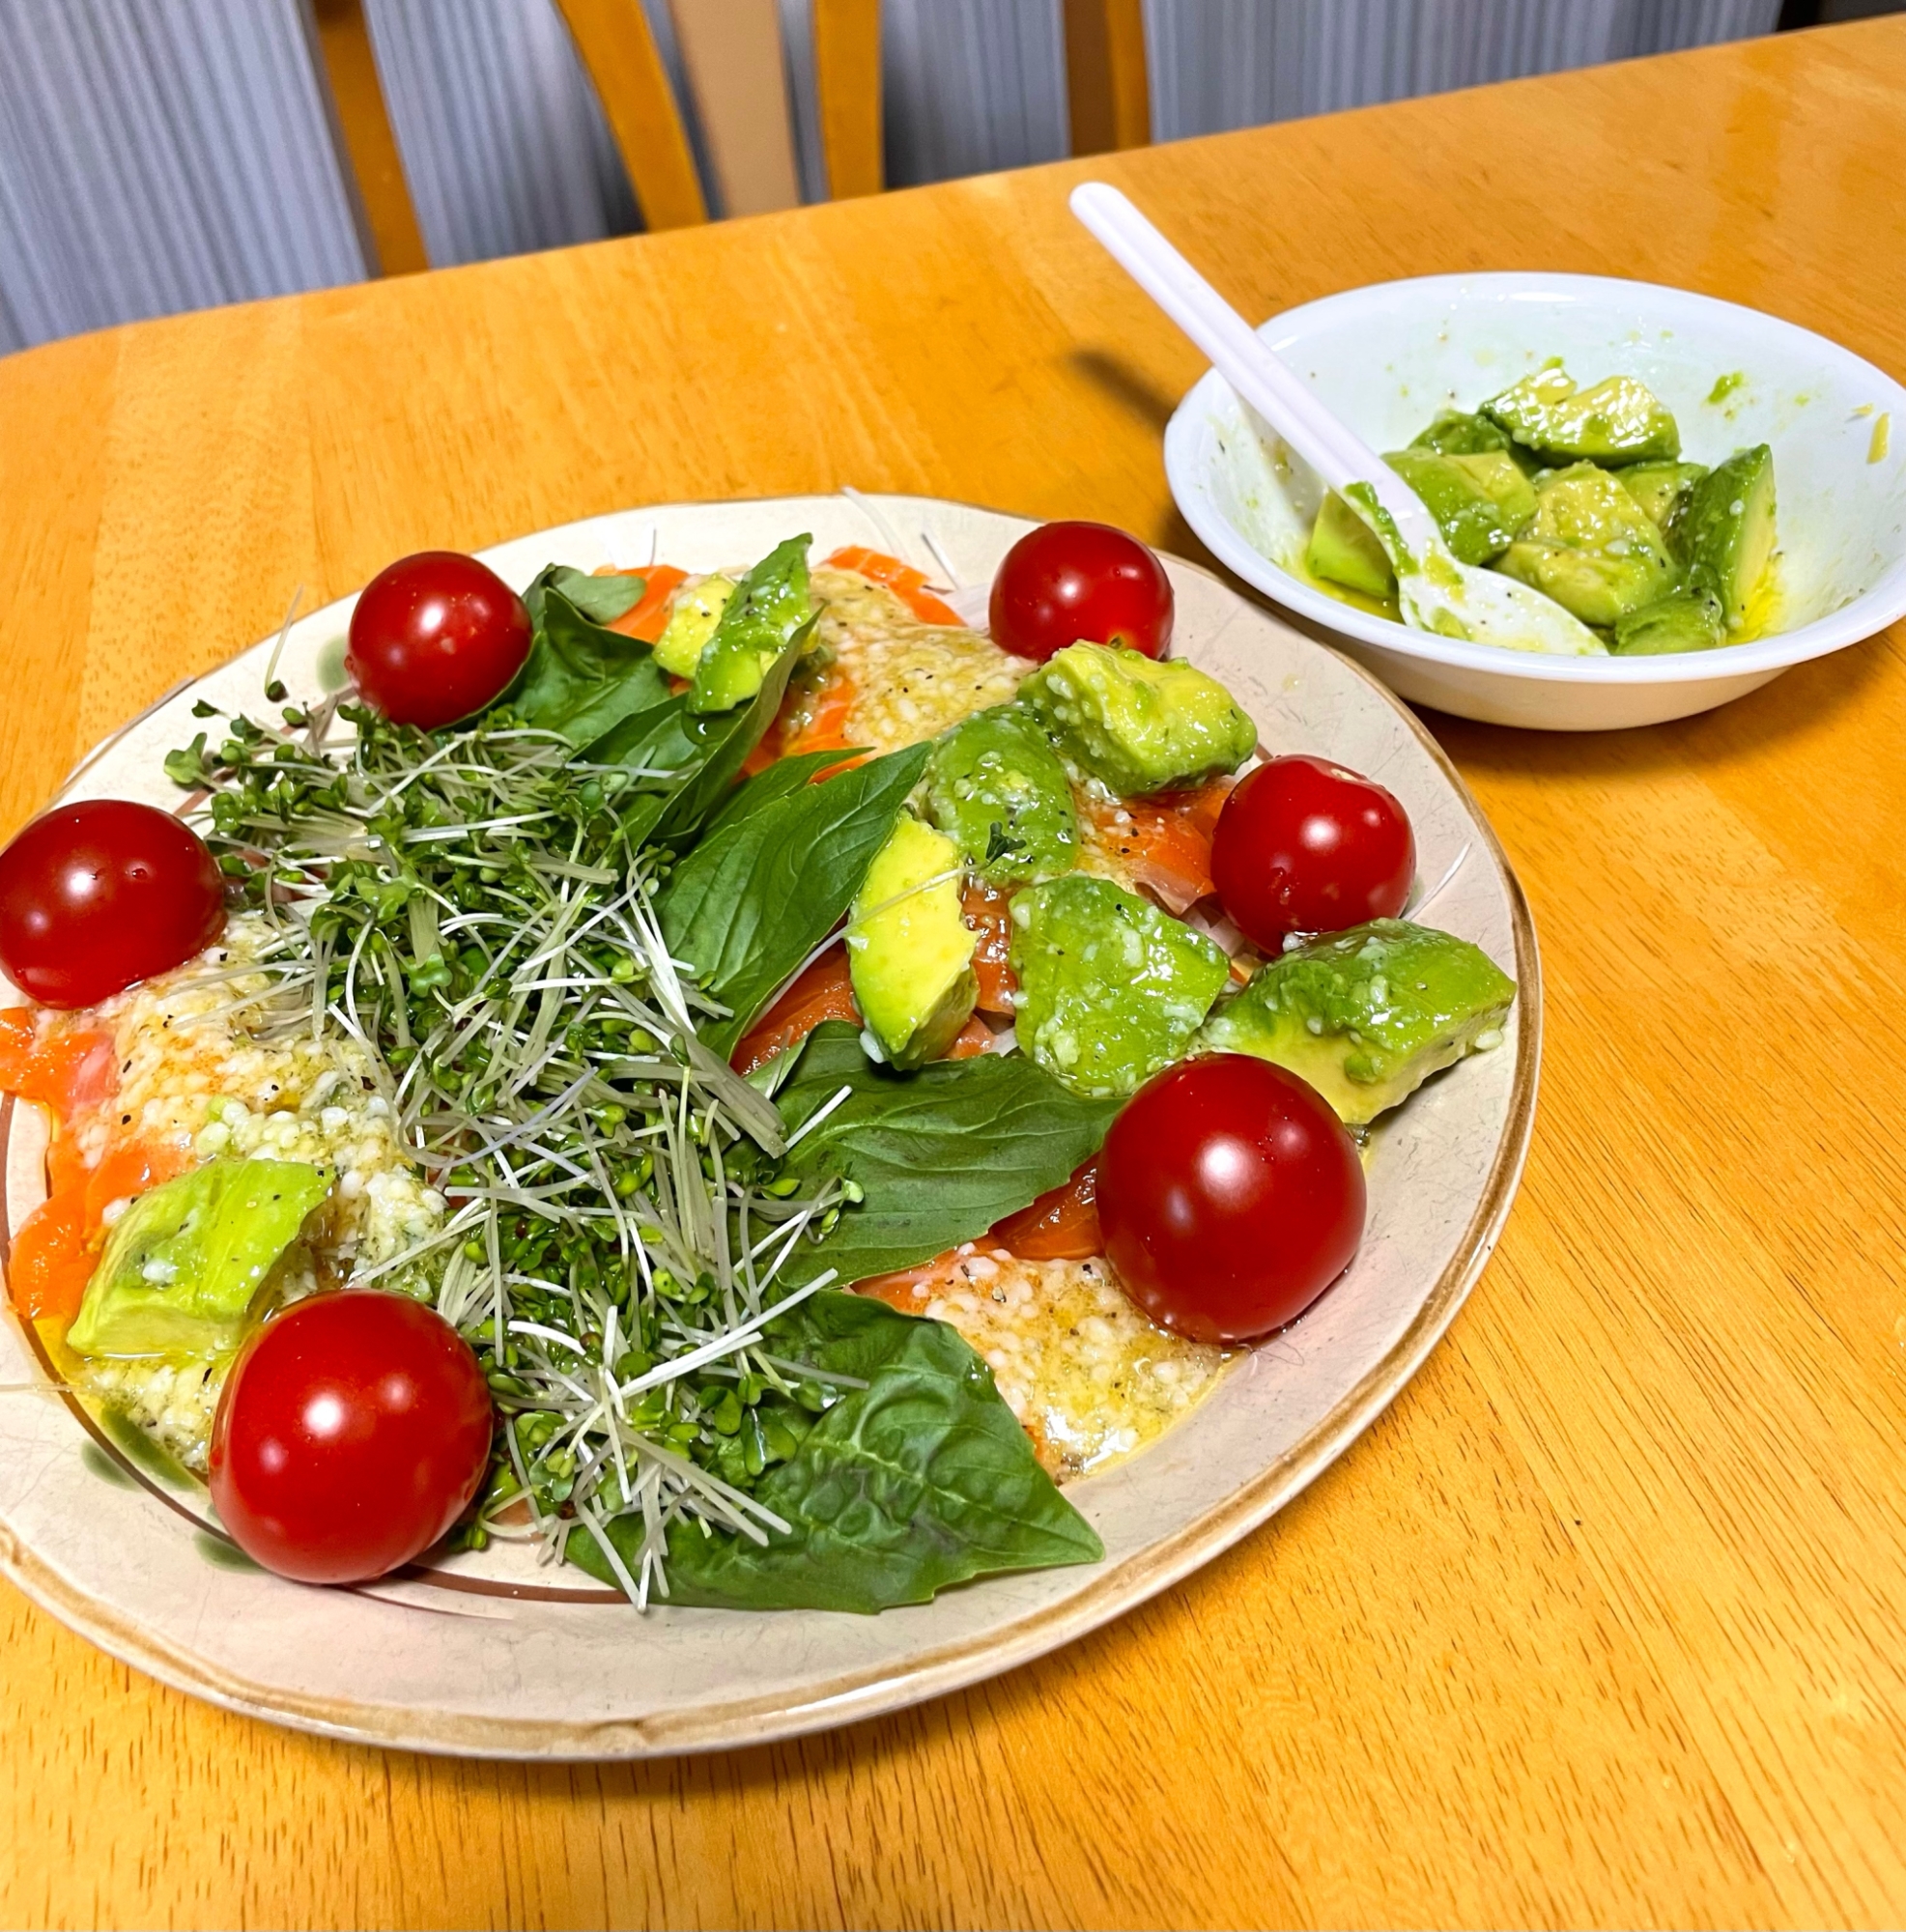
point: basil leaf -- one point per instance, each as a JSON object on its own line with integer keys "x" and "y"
{"x": 781, "y": 779}
{"x": 939, "y": 1155}
{"x": 581, "y": 679}
{"x": 600, "y": 599}
{"x": 769, "y": 605}
{"x": 920, "y": 1480}
{"x": 686, "y": 764}
{"x": 770, "y": 878}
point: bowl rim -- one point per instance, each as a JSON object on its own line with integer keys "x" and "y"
{"x": 1882, "y": 604}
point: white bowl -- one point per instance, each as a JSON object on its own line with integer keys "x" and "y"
{"x": 1387, "y": 357}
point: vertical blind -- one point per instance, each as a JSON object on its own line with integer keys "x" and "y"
{"x": 165, "y": 155}
{"x": 161, "y": 155}
{"x": 1236, "y": 63}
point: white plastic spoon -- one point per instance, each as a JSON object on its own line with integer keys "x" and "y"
{"x": 1434, "y": 590}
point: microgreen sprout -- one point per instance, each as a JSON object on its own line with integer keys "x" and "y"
{"x": 621, "y": 1223}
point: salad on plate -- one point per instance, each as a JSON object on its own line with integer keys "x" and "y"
{"x": 743, "y": 1083}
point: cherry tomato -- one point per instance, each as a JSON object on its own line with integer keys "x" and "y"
{"x": 1231, "y": 1196}
{"x": 353, "y": 1431}
{"x": 436, "y": 637}
{"x": 1064, "y": 584}
{"x": 1302, "y": 846}
{"x": 98, "y": 894}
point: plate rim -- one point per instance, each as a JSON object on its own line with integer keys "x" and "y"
{"x": 853, "y": 1695}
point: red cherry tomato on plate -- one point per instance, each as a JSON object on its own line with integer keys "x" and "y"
{"x": 1231, "y": 1196}
{"x": 1303, "y": 845}
{"x": 98, "y": 894}
{"x": 435, "y": 638}
{"x": 353, "y": 1431}
{"x": 1064, "y": 584}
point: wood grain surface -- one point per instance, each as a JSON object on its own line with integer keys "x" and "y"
{"x": 1606, "y": 1621}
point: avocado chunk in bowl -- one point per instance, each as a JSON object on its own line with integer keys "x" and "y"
{"x": 1617, "y": 420}
{"x": 1414, "y": 361}
{"x": 1481, "y": 500}
{"x": 1726, "y": 532}
{"x": 1591, "y": 547}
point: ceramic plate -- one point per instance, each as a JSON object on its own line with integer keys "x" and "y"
{"x": 487, "y": 1655}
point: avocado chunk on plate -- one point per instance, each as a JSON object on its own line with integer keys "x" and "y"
{"x": 1688, "y": 620}
{"x": 1111, "y": 989}
{"x": 756, "y": 625}
{"x": 1137, "y": 725}
{"x": 1615, "y": 421}
{"x": 1591, "y": 547}
{"x": 1344, "y": 550}
{"x": 1726, "y": 534}
{"x": 909, "y": 952}
{"x": 693, "y": 619}
{"x": 1368, "y": 1015}
{"x": 1481, "y": 501}
{"x": 188, "y": 1262}
{"x": 995, "y": 785}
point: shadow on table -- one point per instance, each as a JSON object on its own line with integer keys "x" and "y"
{"x": 1126, "y": 383}
{"x": 1139, "y": 397}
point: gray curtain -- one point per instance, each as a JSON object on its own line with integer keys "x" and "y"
{"x": 165, "y": 155}
{"x": 161, "y": 155}
{"x": 1234, "y": 63}
{"x": 973, "y": 85}
{"x": 505, "y": 146}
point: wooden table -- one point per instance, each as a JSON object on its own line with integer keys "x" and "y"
{"x": 1606, "y": 1620}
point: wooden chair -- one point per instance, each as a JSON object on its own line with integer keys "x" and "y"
{"x": 1107, "y": 91}
{"x": 732, "y": 52}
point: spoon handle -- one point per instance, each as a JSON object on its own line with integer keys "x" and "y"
{"x": 1236, "y": 351}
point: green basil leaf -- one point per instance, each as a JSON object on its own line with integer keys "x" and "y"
{"x": 939, "y": 1155}
{"x": 687, "y": 763}
{"x": 600, "y": 599}
{"x": 781, "y": 779}
{"x": 581, "y": 679}
{"x": 770, "y": 605}
{"x": 920, "y": 1480}
{"x": 770, "y": 878}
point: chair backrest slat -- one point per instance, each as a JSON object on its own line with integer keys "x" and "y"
{"x": 1106, "y": 86}
{"x": 731, "y": 51}
{"x": 847, "y": 80}
{"x": 620, "y": 52}
{"x": 374, "y": 177}
{"x": 733, "y": 57}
